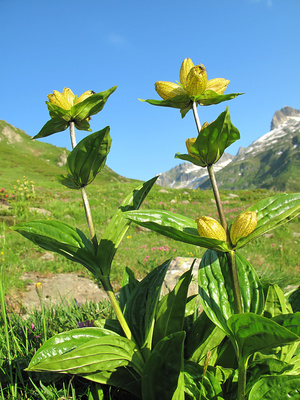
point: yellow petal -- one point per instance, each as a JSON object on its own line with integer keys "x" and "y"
{"x": 186, "y": 66}
{"x": 218, "y": 85}
{"x": 84, "y": 96}
{"x": 196, "y": 80}
{"x": 59, "y": 100}
{"x": 243, "y": 226}
{"x": 210, "y": 228}
{"x": 68, "y": 95}
{"x": 168, "y": 90}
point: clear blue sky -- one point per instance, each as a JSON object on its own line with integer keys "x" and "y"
{"x": 96, "y": 44}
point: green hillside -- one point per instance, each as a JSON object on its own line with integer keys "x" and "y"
{"x": 39, "y": 162}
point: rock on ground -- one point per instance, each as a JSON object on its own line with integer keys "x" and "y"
{"x": 69, "y": 287}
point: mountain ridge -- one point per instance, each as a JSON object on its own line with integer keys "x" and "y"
{"x": 269, "y": 162}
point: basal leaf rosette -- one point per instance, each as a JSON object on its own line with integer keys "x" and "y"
{"x": 211, "y": 142}
{"x": 66, "y": 107}
{"x": 193, "y": 87}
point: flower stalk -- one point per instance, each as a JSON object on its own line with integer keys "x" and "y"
{"x": 231, "y": 257}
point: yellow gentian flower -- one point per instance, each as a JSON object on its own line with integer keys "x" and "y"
{"x": 193, "y": 82}
{"x": 67, "y": 99}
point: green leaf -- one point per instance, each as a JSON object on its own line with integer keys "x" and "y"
{"x": 61, "y": 238}
{"x": 56, "y": 111}
{"x": 254, "y": 333}
{"x": 91, "y": 105}
{"x": 129, "y": 283}
{"x": 284, "y": 387}
{"x": 180, "y": 101}
{"x": 125, "y": 378}
{"x": 271, "y": 213}
{"x": 65, "y": 342}
{"x": 54, "y": 125}
{"x": 201, "y": 386}
{"x": 210, "y": 97}
{"x": 141, "y": 307}
{"x": 175, "y": 226}
{"x": 203, "y": 337}
{"x": 171, "y": 308}
{"x": 105, "y": 353}
{"x": 83, "y": 125}
{"x": 289, "y": 321}
{"x": 162, "y": 372}
{"x": 119, "y": 224}
{"x": 275, "y": 303}
{"x": 212, "y": 141}
{"x": 215, "y": 287}
{"x": 87, "y": 159}
{"x": 294, "y": 299}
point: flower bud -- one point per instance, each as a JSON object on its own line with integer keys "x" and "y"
{"x": 168, "y": 90}
{"x": 210, "y": 228}
{"x": 196, "y": 80}
{"x": 243, "y": 226}
{"x": 186, "y": 66}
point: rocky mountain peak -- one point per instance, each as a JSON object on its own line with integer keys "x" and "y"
{"x": 280, "y": 116}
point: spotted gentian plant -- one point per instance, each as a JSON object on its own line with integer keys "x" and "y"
{"x": 243, "y": 344}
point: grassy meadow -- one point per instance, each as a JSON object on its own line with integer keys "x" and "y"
{"x": 275, "y": 255}
{"x": 29, "y": 190}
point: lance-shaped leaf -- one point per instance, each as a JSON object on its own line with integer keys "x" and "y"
{"x": 285, "y": 387}
{"x": 119, "y": 224}
{"x": 105, "y": 353}
{"x": 91, "y": 105}
{"x": 175, "y": 226}
{"x": 54, "y": 125}
{"x": 185, "y": 102}
{"x": 87, "y": 159}
{"x": 271, "y": 213}
{"x": 163, "y": 370}
{"x": 60, "y": 347}
{"x": 141, "y": 306}
{"x": 65, "y": 342}
{"x": 253, "y": 333}
{"x": 129, "y": 283}
{"x": 203, "y": 337}
{"x": 216, "y": 291}
{"x": 210, "y": 97}
{"x": 212, "y": 141}
{"x": 275, "y": 302}
{"x": 63, "y": 239}
{"x": 171, "y": 308}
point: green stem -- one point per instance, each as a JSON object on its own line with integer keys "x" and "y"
{"x": 217, "y": 196}
{"x": 242, "y": 368}
{"x": 115, "y": 305}
{"x": 231, "y": 259}
{"x": 84, "y": 196}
